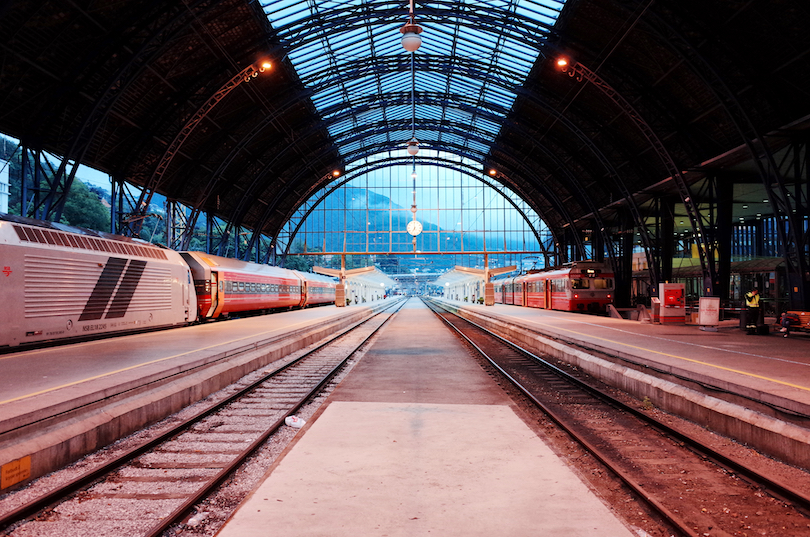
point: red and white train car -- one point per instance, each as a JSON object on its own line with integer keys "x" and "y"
{"x": 226, "y": 286}
{"x": 583, "y": 286}
{"x": 318, "y": 289}
{"x": 60, "y": 282}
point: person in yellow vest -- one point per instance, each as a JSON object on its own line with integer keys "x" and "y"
{"x": 752, "y": 303}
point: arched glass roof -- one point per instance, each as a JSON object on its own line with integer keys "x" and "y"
{"x": 452, "y": 94}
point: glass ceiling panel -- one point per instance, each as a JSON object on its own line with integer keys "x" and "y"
{"x": 348, "y": 53}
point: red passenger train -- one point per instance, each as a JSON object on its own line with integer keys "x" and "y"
{"x": 226, "y": 286}
{"x": 584, "y": 286}
{"x": 59, "y": 282}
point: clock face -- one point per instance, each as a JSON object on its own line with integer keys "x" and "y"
{"x": 414, "y": 227}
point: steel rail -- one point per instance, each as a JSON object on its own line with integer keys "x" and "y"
{"x": 775, "y": 488}
{"x": 60, "y": 493}
{"x": 668, "y": 515}
{"x": 223, "y": 474}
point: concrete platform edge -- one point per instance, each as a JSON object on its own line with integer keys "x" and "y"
{"x": 770, "y": 435}
{"x": 77, "y": 432}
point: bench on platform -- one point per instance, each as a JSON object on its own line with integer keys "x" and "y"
{"x": 800, "y": 320}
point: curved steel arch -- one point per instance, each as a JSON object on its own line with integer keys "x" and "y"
{"x": 359, "y": 18}
{"x": 571, "y": 179}
{"x": 612, "y": 173}
{"x": 538, "y": 185}
{"x": 398, "y": 161}
{"x": 83, "y": 136}
{"x": 236, "y": 218}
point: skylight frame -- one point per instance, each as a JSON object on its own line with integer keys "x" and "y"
{"x": 330, "y": 43}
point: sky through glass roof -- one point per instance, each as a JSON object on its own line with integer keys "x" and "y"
{"x": 473, "y": 58}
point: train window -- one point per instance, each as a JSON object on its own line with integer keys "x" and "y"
{"x": 602, "y": 283}
{"x": 241, "y": 286}
{"x": 580, "y": 283}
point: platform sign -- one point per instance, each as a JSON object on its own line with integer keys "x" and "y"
{"x": 15, "y": 472}
{"x": 709, "y": 312}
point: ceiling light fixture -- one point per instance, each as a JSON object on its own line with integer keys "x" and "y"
{"x": 411, "y": 42}
{"x": 410, "y": 33}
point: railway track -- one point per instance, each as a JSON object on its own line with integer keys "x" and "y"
{"x": 160, "y": 482}
{"x": 693, "y": 489}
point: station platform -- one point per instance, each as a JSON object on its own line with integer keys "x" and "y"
{"x": 419, "y": 440}
{"x": 61, "y": 402}
{"x": 753, "y": 388}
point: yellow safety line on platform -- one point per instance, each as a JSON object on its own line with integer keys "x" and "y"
{"x": 752, "y": 375}
{"x": 138, "y": 365}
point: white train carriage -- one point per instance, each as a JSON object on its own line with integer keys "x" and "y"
{"x": 59, "y": 282}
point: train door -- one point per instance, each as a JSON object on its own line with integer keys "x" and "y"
{"x": 547, "y": 294}
{"x": 217, "y": 294}
{"x": 525, "y": 299}
{"x": 304, "y": 294}
{"x": 213, "y": 306}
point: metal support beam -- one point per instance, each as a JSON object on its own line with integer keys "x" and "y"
{"x": 724, "y": 196}
{"x": 666, "y": 240}
{"x": 154, "y": 182}
{"x": 580, "y": 72}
